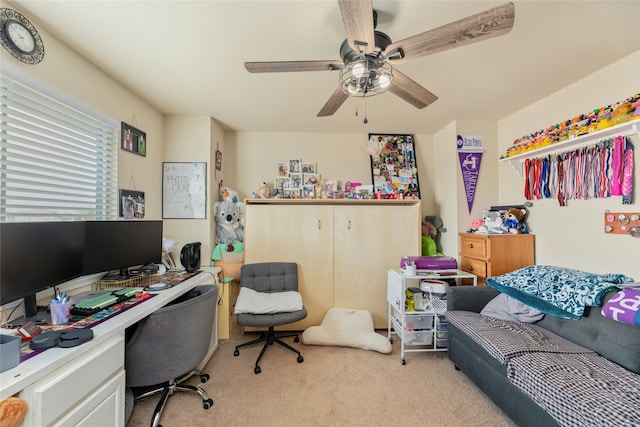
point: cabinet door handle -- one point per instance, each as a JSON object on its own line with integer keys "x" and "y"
{"x": 471, "y": 245}
{"x": 348, "y": 224}
{"x": 470, "y": 268}
{"x": 319, "y": 225}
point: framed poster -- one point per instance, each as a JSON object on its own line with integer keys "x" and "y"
{"x": 395, "y": 165}
{"x": 131, "y": 204}
{"x": 133, "y": 140}
{"x": 184, "y": 190}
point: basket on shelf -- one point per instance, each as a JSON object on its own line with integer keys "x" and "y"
{"x": 140, "y": 281}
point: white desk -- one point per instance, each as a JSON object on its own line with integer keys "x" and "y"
{"x": 84, "y": 385}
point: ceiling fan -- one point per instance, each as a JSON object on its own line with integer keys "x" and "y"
{"x": 369, "y": 57}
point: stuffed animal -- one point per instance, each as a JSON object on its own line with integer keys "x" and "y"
{"x": 432, "y": 227}
{"x": 228, "y": 222}
{"x": 476, "y": 225}
{"x": 514, "y": 221}
{"x": 227, "y": 193}
{"x": 12, "y": 411}
{"x": 493, "y": 223}
{"x": 263, "y": 191}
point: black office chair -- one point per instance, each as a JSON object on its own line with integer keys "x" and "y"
{"x": 270, "y": 277}
{"x": 166, "y": 347}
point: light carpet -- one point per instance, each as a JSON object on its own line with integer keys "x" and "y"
{"x": 334, "y": 386}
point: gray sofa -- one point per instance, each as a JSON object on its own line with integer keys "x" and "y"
{"x": 615, "y": 342}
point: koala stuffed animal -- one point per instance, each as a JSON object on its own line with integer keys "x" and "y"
{"x": 228, "y": 225}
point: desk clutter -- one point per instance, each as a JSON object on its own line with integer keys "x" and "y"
{"x": 91, "y": 309}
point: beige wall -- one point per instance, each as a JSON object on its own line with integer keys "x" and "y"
{"x": 71, "y": 76}
{"x": 193, "y": 139}
{"x": 570, "y": 236}
{"x": 573, "y": 236}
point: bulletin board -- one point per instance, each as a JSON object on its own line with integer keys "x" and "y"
{"x": 184, "y": 190}
{"x": 395, "y": 163}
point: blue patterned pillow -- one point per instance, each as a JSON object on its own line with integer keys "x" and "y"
{"x": 557, "y": 291}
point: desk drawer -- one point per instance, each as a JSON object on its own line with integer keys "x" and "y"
{"x": 474, "y": 266}
{"x": 473, "y": 247}
{"x": 66, "y": 388}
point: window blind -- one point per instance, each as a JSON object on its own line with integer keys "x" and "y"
{"x": 56, "y": 162}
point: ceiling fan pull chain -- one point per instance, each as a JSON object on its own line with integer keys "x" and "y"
{"x": 365, "y": 121}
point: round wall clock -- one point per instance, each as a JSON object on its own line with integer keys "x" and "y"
{"x": 19, "y": 37}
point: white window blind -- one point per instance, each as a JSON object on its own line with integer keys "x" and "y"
{"x": 56, "y": 162}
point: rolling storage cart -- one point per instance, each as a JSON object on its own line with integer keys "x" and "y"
{"x": 420, "y": 330}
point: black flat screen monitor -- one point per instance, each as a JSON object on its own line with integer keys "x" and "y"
{"x": 118, "y": 245}
{"x": 37, "y": 255}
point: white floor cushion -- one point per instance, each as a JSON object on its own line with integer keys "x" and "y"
{"x": 348, "y": 328}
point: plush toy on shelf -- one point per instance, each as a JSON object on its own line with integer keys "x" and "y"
{"x": 514, "y": 221}
{"x": 263, "y": 191}
{"x": 493, "y": 223}
{"x": 226, "y": 193}
{"x": 476, "y": 225}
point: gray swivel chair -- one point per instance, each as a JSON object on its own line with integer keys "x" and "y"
{"x": 166, "y": 347}
{"x": 270, "y": 277}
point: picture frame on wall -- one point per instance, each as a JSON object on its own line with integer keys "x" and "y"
{"x": 395, "y": 164}
{"x": 184, "y": 190}
{"x": 131, "y": 204}
{"x": 133, "y": 139}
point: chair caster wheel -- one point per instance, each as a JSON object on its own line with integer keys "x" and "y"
{"x": 207, "y": 403}
{"x": 296, "y": 339}
{"x": 257, "y": 370}
{"x": 236, "y": 353}
{"x": 204, "y": 378}
{"x": 300, "y": 359}
{"x": 404, "y": 362}
{"x": 391, "y": 340}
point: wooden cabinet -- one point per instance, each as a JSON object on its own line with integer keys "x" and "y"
{"x": 487, "y": 255}
{"x": 343, "y": 248}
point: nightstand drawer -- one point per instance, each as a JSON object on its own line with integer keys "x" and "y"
{"x": 474, "y": 266}
{"x": 473, "y": 247}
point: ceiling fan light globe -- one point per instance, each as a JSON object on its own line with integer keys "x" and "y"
{"x": 384, "y": 81}
{"x": 358, "y": 70}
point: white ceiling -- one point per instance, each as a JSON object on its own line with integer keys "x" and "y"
{"x": 186, "y": 57}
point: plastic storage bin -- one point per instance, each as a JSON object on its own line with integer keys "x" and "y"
{"x": 424, "y": 321}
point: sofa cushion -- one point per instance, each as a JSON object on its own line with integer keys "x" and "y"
{"x": 578, "y": 389}
{"x": 613, "y": 340}
{"x": 506, "y": 308}
{"x": 504, "y": 340}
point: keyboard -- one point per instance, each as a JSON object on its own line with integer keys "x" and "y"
{"x": 100, "y": 302}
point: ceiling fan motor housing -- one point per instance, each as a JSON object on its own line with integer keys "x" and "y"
{"x": 349, "y": 55}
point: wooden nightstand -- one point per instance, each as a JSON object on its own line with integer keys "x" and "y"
{"x": 487, "y": 255}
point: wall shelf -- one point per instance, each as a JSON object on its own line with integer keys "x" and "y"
{"x": 623, "y": 129}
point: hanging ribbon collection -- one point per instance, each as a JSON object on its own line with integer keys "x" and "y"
{"x": 601, "y": 170}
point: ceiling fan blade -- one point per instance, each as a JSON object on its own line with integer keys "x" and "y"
{"x": 357, "y": 16}
{"x": 332, "y": 105}
{"x": 481, "y": 26}
{"x": 291, "y": 66}
{"x": 410, "y": 91}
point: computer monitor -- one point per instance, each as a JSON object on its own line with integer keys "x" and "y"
{"x": 118, "y": 245}
{"x": 35, "y": 256}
